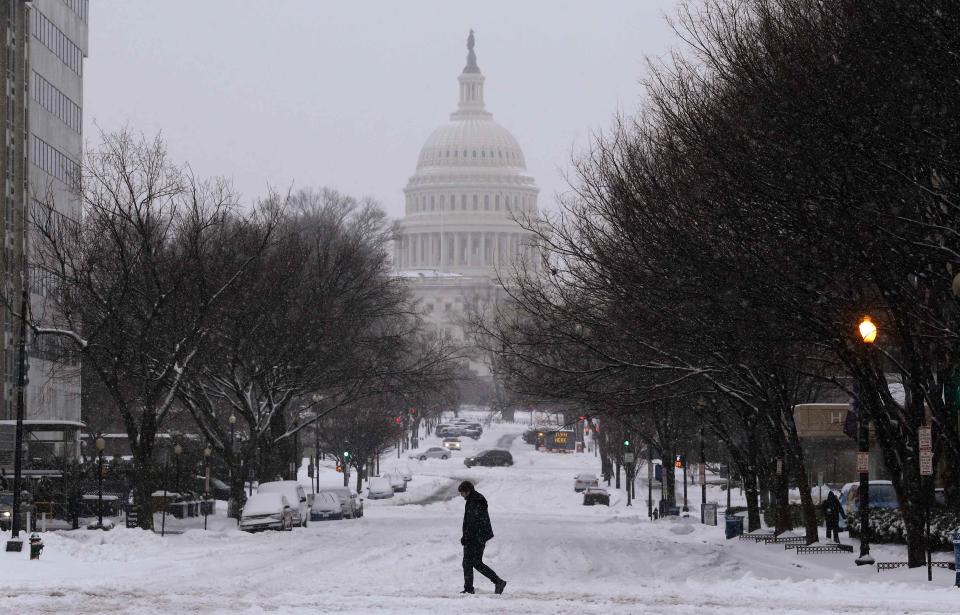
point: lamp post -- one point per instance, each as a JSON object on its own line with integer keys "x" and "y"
{"x": 295, "y": 463}
{"x": 317, "y": 398}
{"x": 684, "y": 464}
{"x": 232, "y": 504}
{"x": 206, "y": 484}
{"x": 701, "y": 404}
{"x": 100, "y": 444}
{"x": 868, "y": 334}
{"x": 649, "y": 480}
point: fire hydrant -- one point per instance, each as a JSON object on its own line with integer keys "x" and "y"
{"x": 36, "y": 546}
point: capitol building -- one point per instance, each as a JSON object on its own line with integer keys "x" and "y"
{"x": 461, "y": 207}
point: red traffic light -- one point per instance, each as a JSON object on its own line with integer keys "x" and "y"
{"x": 413, "y": 412}
{"x": 397, "y": 420}
{"x": 583, "y": 418}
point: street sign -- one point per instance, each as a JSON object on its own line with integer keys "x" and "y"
{"x": 926, "y": 463}
{"x": 628, "y": 458}
{"x": 925, "y": 438}
{"x": 863, "y": 463}
{"x": 703, "y": 474}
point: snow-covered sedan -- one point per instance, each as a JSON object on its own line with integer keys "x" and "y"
{"x": 379, "y": 489}
{"x": 266, "y": 511}
{"x": 452, "y": 444}
{"x": 326, "y": 507}
{"x": 434, "y": 452}
{"x": 396, "y": 482}
{"x": 596, "y": 495}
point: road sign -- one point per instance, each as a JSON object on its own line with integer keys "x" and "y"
{"x": 628, "y": 458}
{"x": 863, "y": 463}
{"x": 926, "y": 463}
{"x": 925, "y": 438}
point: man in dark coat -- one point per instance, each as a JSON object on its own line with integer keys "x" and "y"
{"x": 832, "y": 511}
{"x": 476, "y": 533}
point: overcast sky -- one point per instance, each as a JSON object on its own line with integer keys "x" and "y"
{"x": 343, "y": 94}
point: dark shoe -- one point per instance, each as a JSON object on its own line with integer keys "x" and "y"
{"x": 468, "y": 590}
{"x": 498, "y": 586}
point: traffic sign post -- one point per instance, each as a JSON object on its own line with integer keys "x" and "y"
{"x": 925, "y": 440}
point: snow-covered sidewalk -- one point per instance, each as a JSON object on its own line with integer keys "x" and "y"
{"x": 404, "y": 557}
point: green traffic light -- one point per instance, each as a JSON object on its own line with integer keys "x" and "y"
{"x": 626, "y": 442}
{"x": 346, "y": 454}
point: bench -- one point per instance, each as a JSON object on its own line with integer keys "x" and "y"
{"x": 835, "y": 548}
{"x": 892, "y": 565}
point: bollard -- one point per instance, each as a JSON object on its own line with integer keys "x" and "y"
{"x": 36, "y": 546}
{"x": 956, "y": 557}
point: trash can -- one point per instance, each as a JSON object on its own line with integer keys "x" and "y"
{"x": 733, "y": 526}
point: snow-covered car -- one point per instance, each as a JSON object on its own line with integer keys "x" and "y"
{"x": 396, "y": 482}
{"x": 294, "y": 493}
{"x": 351, "y": 505}
{"x": 490, "y": 458}
{"x": 882, "y": 495}
{"x": 582, "y": 482}
{"x": 472, "y": 432}
{"x": 266, "y": 511}
{"x": 596, "y": 495}
{"x": 403, "y": 470}
{"x": 434, "y": 452}
{"x": 452, "y": 444}
{"x": 379, "y": 489}
{"x": 446, "y": 431}
{"x": 325, "y": 507}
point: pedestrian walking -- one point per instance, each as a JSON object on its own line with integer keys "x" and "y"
{"x": 832, "y": 511}
{"x": 476, "y": 532}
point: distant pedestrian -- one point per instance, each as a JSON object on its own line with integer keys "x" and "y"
{"x": 832, "y": 511}
{"x": 476, "y": 532}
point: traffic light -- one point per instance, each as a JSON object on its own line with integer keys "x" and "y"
{"x": 339, "y": 468}
{"x": 583, "y": 418}
{"x": 678, "y": 463}
{"x": 397, "y": 420}
{"x": 626, "y": 443}
{"x": 346, "y": 454}
{"x": 413, "y": 412}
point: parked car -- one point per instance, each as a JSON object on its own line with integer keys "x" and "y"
{"x": 882, "y": 495}
{"x": 472, "y": 432}
{"x": 434, "y": 452}
{"x": 490, "y": 458}
{"x": 582, "y": 482}
{"x": 267, "y": 511}
{"x": 596, "y": 495}
{"x": 396, "y": 482}
{"x": 379, "y": 489}
{"x": 446, "y": 431}
{"x": 219, "y": 490}
{"x": 452, "y": 444}
{"x": 403, "y": 470}
{"x": 326, "y": 507}
{"x": 351, "y": 505}
{"x": 530, "y": 436}
{"x": 295, "y": 495}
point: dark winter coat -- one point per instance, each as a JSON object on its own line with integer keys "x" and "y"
{"x": 476, "y": 521}
{"x": 832, "y": 511}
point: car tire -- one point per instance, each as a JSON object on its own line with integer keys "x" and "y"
{"x": 443, "y": 456}
{"x": 423, "y": 457}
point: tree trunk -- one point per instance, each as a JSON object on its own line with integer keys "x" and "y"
{"x": 144, "y": 485}
{"x": 798, "y": 470}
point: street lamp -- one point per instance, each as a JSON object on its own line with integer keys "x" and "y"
{"x": 100, "y": 444}
{"x": 868, "y": 334}
{"x": 295, "y": 463}
{"x": 701, "y": 404}
{"x": 206, "y": 485}
{"x": 317, "y": 398}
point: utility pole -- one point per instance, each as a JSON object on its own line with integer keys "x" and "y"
{"x": 15, "y": 544}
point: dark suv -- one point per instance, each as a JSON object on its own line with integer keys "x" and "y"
{"x": 489, "y": 459}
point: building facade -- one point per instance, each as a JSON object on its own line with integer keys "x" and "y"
{"x": 462, "y": 208}
{"x": 42, "y": 105}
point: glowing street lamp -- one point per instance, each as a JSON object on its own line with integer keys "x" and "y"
{"x": 868, "y": 333}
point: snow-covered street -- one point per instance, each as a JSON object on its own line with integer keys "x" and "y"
{"x": 404, "y": 557}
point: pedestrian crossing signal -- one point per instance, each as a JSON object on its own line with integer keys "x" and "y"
{"x": 339, "y": 468}
{"x": 678, "y": 463}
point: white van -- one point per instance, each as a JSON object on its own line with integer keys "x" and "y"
{"x": 295, "y": 495}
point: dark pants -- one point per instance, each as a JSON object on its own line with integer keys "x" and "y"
{"x": 834, "y": 527}
{"x": 473, "y": 558}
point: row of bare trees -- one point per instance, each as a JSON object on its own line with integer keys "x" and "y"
{"x": 253, "y": 324}
{"x": 793, "y": 170}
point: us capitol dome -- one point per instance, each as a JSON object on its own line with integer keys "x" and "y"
{"x": 459, "y": 226}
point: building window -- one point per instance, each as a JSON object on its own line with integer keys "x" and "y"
{"x": 486, "y": 202}
{"x": 56, "y": 102}
{"x": 54, "y": 162}
{"x": 56, "y": 41}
